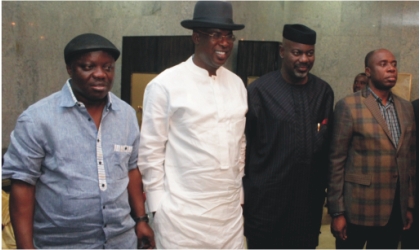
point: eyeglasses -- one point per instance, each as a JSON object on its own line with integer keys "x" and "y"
{"x": 216, "y": 36}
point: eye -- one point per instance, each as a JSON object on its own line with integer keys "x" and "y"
{"x": 296, "y": 53}
{"x": 87, "y": 67}
{"x": 231, "y": 37}
{"x": 108, "y": 68}
{"x": 216, "y": 36}
{"x": 310, "y": 53}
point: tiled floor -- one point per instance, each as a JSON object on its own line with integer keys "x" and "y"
{"x": 326, "y": 239}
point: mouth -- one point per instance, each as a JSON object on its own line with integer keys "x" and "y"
{"x": 391, "y": 78}
{"x": 99, "y": 87}
{"x": 302, "y": 67}
{"x": 221, "y": 55}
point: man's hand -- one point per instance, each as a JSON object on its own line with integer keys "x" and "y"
{"x": 145, "y": 236}
{"x": 136, "y": 197}
{"x": 409, "y": 220}
{"x": 339, "y": 227}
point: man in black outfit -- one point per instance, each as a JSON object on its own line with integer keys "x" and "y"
{"x": 287, "y": 132}
{"x": 410, "y": 238}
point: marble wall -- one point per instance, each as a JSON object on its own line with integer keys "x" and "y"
{"x": 35, "y": 34}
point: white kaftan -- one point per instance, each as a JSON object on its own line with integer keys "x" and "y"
{"x": 191, "y": 156}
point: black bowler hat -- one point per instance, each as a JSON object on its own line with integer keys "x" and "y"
{"x": 299, "y": 33}
{"x": 89, "y": 42}
{"x": 212, "y": 14}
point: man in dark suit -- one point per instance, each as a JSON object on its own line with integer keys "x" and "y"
{"x": 372, "y": 161}
{"x": 287, "y": 132}
{"x": 410, "y": 238}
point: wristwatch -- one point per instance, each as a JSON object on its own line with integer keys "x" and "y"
{"x": 144, "y": 218}
{"x": 337, "y": 214}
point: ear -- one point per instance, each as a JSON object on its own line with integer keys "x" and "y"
{"x": 196, "y": 38}
{"x": 69, "y": 69}
{"x": 367, "y": 72}
{"x": 281, "y": 51}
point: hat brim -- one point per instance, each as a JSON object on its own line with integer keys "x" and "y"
{"x": 191, "y": 24}
{"x": 69, "y": 56}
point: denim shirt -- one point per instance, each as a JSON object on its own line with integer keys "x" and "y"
{"x": 80, "y": 172}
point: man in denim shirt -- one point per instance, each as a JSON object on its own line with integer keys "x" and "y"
{"x": 73, "y": 161}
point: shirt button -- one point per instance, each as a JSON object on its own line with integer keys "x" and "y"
{"x": 89, "y": 119}
{"x": 103, "y": 185}
{"x": 100, "y": 163}
{"x": 103, "y": 207}
{"x": 98, "y": 140}
{"x": 105, "y": 225}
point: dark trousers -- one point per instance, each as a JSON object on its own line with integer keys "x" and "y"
{"x": 385, "y": 237}
{"x": 276, "y": 244}
{"x": 410, "y": 238}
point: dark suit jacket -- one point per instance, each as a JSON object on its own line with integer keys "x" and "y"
{"x": 364, "y": 163}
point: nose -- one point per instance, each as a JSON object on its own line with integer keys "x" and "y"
{"x": 99, "y": 73}
{"x": 392, "y": 68}
{"x": 223, "y": 41}
{"x": 303, "y": 57}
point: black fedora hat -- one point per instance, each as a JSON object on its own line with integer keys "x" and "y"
{"x": 89, "y": 42}
{"x": 212, "y": 14}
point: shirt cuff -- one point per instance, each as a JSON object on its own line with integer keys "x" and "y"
{"x": 337, "y": 214}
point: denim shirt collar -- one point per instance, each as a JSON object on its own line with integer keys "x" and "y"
{"x": 68, "y": 99}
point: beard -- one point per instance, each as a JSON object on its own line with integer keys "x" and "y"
{"x": 299, "y": 74}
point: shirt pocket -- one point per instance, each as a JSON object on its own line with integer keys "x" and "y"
{"x": 120, "y": 158}
{"x": 320, "y": 131}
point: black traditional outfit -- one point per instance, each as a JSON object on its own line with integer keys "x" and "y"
{"x": 287, "y": 132}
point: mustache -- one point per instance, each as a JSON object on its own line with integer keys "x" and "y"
{"x": 100, "y": 82}
{"x": 302, "y": 64}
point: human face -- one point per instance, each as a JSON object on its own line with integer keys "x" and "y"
{"x": 359, "y": 82}
{"x": 298, "y": 60}
{"x": 91, "y": 76}
{"x": 210, "y": 53}
{"x": 382, "y": 70}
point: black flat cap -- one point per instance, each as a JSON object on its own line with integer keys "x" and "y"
{"x": 299, "y": 33}
{"x": 212, "y": 14}
{"x": 86, "y": 43}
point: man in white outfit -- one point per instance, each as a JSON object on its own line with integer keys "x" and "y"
{"x": 192, "y": 141}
